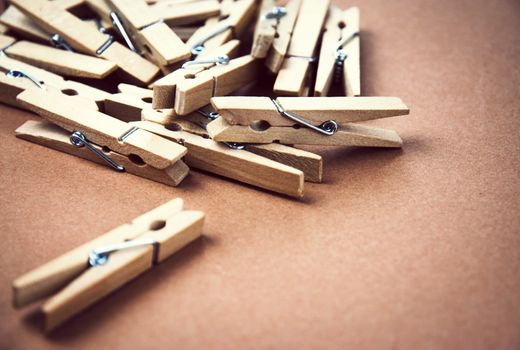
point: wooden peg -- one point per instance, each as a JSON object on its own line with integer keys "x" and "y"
{"x": 167, "y": 227}
{"x": 195, "y": 123}
{"x": 62, "y": 62}
{"x": 192, "y": 94}
{"x": 164, "y": 89}
{"x": 236, "y": 17}
{"x": 151, "y": 35}
{"x": 340, "y": 25}
{"x": 82, "y": 37}
{"x": 240, "y": 165}
{"x": 23, "y": 26}
{"x": 52, "y": 136}
{"x": 244, "y": 110}
{"x": 102, "y": 129}
{"x": 307, "y": 30}
{"x": 265, "y": 30}
{"x": 180, "y": 14}
{"x": 347, "y": 135}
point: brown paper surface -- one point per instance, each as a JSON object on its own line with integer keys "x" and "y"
{"x": 410, "y": 249}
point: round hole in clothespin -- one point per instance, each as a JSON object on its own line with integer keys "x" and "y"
{"x": 260, "y": 125}
{"x": 106, "y": 150}
{"x": 134, "y": 158}
{"x": 173, "y": 127}
{"x": 70, "y": 92}
{"x": 157, "y": 225}
{"x": 190, "y": 76}
{"x": 342, "y": 25}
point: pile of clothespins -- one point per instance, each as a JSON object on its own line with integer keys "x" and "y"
{"x": 174, "y": 64}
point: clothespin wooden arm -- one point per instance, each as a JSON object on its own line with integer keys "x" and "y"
{"x": 238, "y": 164}
{"x": 52, "y": 136}
{"x": 86, "y": 39}
{"x": 192, "y": 94}
{"x": 183, "y": 13}
{"x": 243, "y": 110}
{"x": 164, "y": 89}
{"x": 155, "y": 39}
{"x": 102, "y": 129}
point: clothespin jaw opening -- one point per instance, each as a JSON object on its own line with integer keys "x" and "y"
{"x": 88, "y": 273}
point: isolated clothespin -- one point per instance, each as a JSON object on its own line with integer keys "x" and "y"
{"x": 340, "y": 53}
{"x": 17, "y": 76}
{"x": 291, "y": 79}
{"x": 89, "y": 128}
{"x": 305, "y": 120}
{"x": 84, "y": 38}
{"x": 180, "y": 13}
{"x": 59, "y": 61}
{"x": 164, "y": 89}
{"x": 235, "y": 16}
{"x": 231, "y": 161}
{"x": 147, "y": 32}
{"x": 84, "y": 275}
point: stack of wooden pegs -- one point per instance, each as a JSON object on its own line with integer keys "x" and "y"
{"x": 144, "y": 86}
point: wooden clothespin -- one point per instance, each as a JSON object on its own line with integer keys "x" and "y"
{"x": 164, "y": 89}
{"x": 17, "y": 76}
{"x": 89, "y": 128}
{"x": 232, "y": 161}
{"x": 147, "y": 32}
{"x": 84, "y": 38}
{"x": 235, "y": 16}
{"x": 177, "y": 13}
{"x": 305, "y": 120}
{"x": 291, "y": 79}
{"x": 84, "y": 275}
{"x": 23, "y": 26}
{"x": 59, "y": 61}
{"x": 340, "y": 55}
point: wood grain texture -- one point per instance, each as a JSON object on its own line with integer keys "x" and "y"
{"x": 284, "y": 32}
{"x": 60, "y": 61}
{"x": 23, "y": 26}
{"x": 347, "y": 135}
{"x": 292, "y": 76}
{"x": 240, "y": 165}
{"x": 164, "y": 89}
{"x": 180, "y": 14}
{"x": 156, "y": 40}
{"x": 52, "y": 136}
{"x": 244, "y": 110}
{"x": 86, "y": 39}
{"x": 192, "y": 94}
{"x": 102, "y": 129}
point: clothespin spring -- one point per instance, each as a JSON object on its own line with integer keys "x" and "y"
{"x": 341, "y": 56}
{"x": 13, "y": 73}
{"x": 100, "y": 256}
{"x": 121, "y": 29}
{"x": 79, "y": 140}
{"x": 219, "y": 60}
{"x": 58, "y": 42}
{"x": 328, "y": 128}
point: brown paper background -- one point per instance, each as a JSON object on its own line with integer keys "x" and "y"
{"x": 411, "y": 249}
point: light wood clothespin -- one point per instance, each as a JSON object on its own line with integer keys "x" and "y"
{"x": 273, "y": 32}
{"x": 232, "y": 161}
{"x": 164, "y": 89}
{"x": 291, "y": 79}
{"x": 59, "y": 61}
{"x": 86, "y": 274}
{"x": 17, "y": 76}
{"x": 88, "y": 127}
{"x": 84, "y": 38}
{"x": 187, "y": 12}
{"x": 23, "y": 26}
{"x": 51, "y": 136}
{"x": 235, "y": 16}
{"x": 340, "y": 53}
{"x": 147, "y": 32}
{"x": 305, "y": 120}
